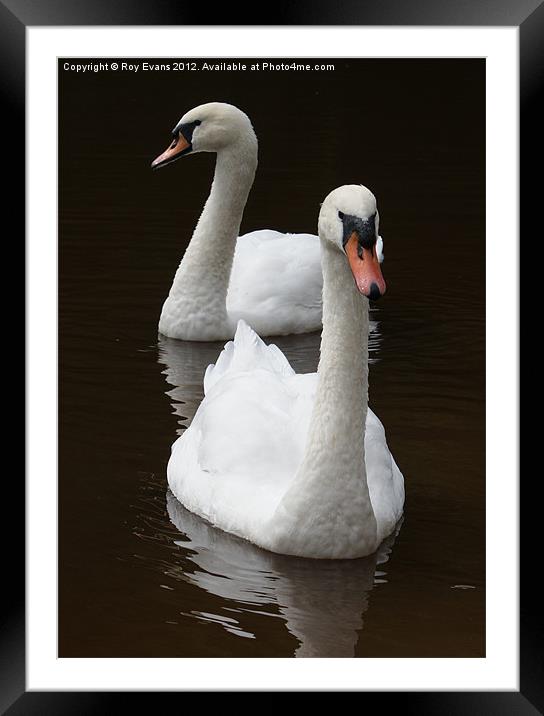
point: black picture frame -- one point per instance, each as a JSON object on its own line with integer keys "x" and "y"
{"x": 15, "y": 16}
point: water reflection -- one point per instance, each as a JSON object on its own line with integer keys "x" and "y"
{"x": 321, "y": 601}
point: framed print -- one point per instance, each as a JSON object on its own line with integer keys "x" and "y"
{"x": 127, "y": 589}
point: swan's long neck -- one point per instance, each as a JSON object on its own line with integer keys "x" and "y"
{"x": 332, "y": 477}
{"x": 198, "y": 294}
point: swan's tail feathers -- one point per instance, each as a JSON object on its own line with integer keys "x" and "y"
{"x": 278, "y": 360}
{"x": 247, "y": 352}
{"x": 245, "y": 336}
{"x": 210, "y": 377}
{"x": 257, "y": 354}
{"x": 215, "y": 370}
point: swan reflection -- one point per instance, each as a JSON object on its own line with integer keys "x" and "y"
{"x": 321, "y": 601}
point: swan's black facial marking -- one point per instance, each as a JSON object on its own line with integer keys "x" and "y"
{"x": 365, "y": 230}
{"x": 186, "y": 130}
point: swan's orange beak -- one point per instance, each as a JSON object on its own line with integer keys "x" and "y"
{"x": 178, "y": 147}
{"x": 365, "y": 268}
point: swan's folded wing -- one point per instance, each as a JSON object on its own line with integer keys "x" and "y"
{"x": 276, "y": 269}
{"x": 254, "y": 239}
{"x": 258, "y": 413}
{"x": 385, "y": 480}
{"x": 245, "y": 353}
{"x": 276, "y": 282}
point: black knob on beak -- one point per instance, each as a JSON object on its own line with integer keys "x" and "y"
{"x": 374, "y": 292}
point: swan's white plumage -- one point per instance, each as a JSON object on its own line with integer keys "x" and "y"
{"x": 276, "y": 282}
{"x": 298, "y": 464}
{"x": 270, "y": 279}
{"x": 238, "y": 458}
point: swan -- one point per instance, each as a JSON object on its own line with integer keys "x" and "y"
{"x": 298, "y": 464}
{"x": 271, "y": 280}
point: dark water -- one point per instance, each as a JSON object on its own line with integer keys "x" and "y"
{"x": 138, "y": 575}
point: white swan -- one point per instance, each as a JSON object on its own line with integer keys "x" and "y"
{"x": 297, "y": 464}
{"x": 271, "y": 280}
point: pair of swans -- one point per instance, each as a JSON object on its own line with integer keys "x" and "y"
{"x": 296, "y": 464}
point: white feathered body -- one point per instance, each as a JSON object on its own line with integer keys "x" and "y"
{"x": 242, "y": 453}
{"x": 276, "y": 283}
{"x": 297, "y": 464}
